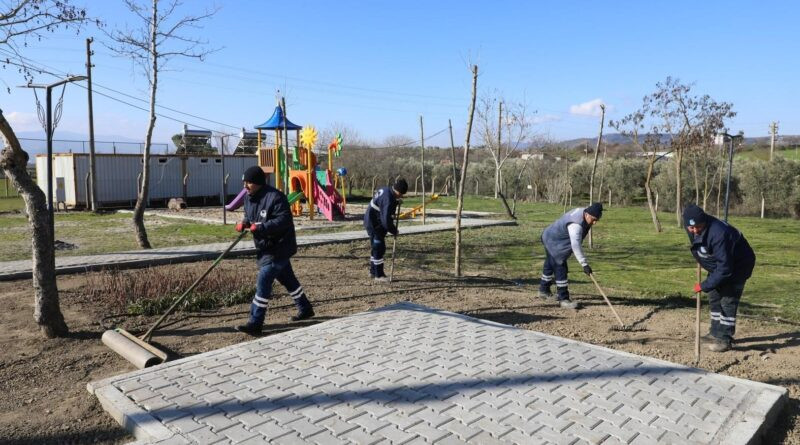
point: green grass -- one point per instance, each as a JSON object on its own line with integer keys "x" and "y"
{"x": 103, "y": 233}
{"x": 790, "y": 153}
{"x": 630, "y": 259}
{"x": 11, "y": 204}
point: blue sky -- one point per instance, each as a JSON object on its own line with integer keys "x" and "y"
{"x": 376, "y": 66}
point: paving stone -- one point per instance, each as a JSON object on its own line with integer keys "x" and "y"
{"x": 407, "y": 374}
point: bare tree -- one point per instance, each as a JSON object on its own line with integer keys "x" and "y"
{"x": 19, "y": 21}
{"x": 630, "y": 126}
{"x": 688, "y": 120}
{"x": 503, "y": 132}
{"x": 156, "y": 40}
{"x": 464, "y": 164}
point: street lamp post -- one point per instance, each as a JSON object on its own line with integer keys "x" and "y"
{"x": 720, "y": 140}
{"x": 49, "y": 131}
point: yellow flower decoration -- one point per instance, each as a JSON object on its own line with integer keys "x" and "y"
{"x": 308, "y": 136}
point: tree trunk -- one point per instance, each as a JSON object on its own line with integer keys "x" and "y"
{"x": 453, "y": 154}
{"x": 497, "y": 164}
{"x": 144, "y": 189}
{"x": 594, "y": 166}
{"x": 462, "y": 180}
{"x": 596, "y": 152}
{"x": 678, "y": 160}
{"x": 649, "y": 193}
{"x": 696, "y": 181}
{"x": 47, "y": 310}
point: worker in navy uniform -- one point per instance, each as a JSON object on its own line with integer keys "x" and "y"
{"x": 725, "y": 253}
{"x": 379, "y": 220}
{"x": 268, "y": 217}
{"x": 561, "y": 239}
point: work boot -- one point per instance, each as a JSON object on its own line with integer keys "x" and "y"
{"x": 708, "y": 338}
{"x": 252, "y": 329}
{"x": 303, "y": 315}
{"x": 568, "y": 304}
{"x": 304, "y": 308}
{"x": 719, "y": 345}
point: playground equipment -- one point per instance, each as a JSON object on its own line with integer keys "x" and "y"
{"x": 418, "y": 209}
{"x": 296, "y": 171}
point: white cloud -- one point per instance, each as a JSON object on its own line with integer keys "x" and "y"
{"x": 590, "y": 108}
{"x": 23, "y": 121}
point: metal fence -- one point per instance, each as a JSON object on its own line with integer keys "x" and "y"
{"x": 75, "y": 146}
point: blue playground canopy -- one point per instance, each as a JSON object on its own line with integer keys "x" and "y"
{"x": 277, "y": 122}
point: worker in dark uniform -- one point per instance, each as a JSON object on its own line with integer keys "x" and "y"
{"x": 379, "y": 220}
{"x": 268, "y": 217}
{"x": 725, "y": 253}
{"x": 561, "y": 239}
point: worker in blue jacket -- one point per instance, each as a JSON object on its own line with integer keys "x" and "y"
{"x": 379, "y": 220}
{"x": 268, "y": 217}
{"x": 561, "y": 239}
{"x": 725, "y": 253}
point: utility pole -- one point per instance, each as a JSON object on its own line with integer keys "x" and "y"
{"x": 422, "y": 143}
{"x": 773, "y": 129}
{"x": 92, "y": 172}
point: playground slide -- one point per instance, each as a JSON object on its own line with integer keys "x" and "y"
{"x": 328, "y": 200}
{"x": 238, "y": 201}
{"x": 294, "y": 196}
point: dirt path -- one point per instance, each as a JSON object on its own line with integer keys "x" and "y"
{"x": 42, "y": 382}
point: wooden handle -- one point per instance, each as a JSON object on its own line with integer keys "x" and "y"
{"x": 697, "y": 320}
{"x": 607, "y": 301}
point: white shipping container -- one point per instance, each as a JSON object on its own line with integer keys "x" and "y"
{"x": 118, "y": 175}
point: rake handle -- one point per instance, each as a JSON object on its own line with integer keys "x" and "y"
{"x": 607, "y": 301}
{"x": 394, "y": 242}
{"x": 697, "y": 320}
{"x": 147, "y": 335}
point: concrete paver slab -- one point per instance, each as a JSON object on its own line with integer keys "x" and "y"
{"x": 408, "y": 374}
{"x": 14, "y": 270}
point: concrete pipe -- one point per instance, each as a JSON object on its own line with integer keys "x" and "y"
{"x": 129, "y": 350}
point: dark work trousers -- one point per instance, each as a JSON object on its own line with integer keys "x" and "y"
{"x": 551, "y": 270}
{"x": 723, "y": 303}
{"x": 277, "y": 269}
{"x": 378, "y": 250}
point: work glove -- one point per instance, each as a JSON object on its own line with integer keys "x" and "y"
{"x": 253, "y": 227}
{"x": 240, "y": 226}
{"x": 698, "y": 288}
{"x": 587, "y": 269}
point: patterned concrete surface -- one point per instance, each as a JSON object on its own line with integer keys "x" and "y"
{"x": 407, "y": 374}
{"x": 13, "y": 270}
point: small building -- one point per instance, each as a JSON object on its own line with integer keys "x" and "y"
{"x": 198, "y": 179}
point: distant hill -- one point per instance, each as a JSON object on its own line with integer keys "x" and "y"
{"x": 616, "y": 138}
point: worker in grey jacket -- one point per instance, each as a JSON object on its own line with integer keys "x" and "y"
{"x": 561, "y": 239}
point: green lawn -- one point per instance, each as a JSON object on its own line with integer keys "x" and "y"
{"x": 11, "y": 203}
{"x": 630, "y": 259}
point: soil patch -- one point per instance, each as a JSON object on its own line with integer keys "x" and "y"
{"x": 43, "y": 382}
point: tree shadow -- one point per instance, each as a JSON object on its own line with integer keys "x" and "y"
{"x": 85, "y": 335}
{"x": 509, "y": 317}
{"x": 768, "y": 342}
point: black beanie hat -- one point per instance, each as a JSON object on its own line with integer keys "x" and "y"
{"x": 255, "y": 175}
{"x": 596, "y": 210}
{"x": 694, "y": 215}
{"x": 400, "y": 186}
